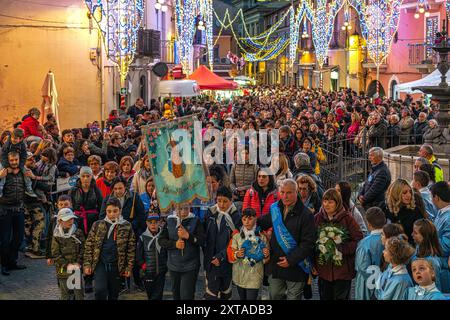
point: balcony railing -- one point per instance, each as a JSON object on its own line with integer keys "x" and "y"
{"x": 422, "y": 54}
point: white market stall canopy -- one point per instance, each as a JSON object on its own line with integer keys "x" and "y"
{"x": 178, "y": 88}
{"x": 244, "y": 79}
{"x": 433, "y": 79}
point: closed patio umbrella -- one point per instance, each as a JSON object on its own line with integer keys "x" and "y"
{"x": 50, "y": 98}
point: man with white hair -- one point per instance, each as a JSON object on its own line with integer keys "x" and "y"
{"x": 420, "y": 127}
{"x": 378, "y": 181}
{"x": 292, "y": 243}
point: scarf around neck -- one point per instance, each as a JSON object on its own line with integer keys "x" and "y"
{"x": 153, "y": 238}
{"x": 174, "y": 215}
{"x": 119, "y": 221}
{"x": 59, "y": 232}
{"x": 227, "y": 216}
{"x": 249, "y": 234}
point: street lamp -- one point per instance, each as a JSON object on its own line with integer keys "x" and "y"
{"x": 159, "y": 5}
{"x": 201, "y": 25}
{"x": 422, "y": 8}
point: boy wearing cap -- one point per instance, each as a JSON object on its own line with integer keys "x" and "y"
{"x": 67, "y": 253}
{"x": 248, "y": 268}
{"x": 221, "y": 221}
{"x": 152, "y": 258}
{"x": 64, "y": 201}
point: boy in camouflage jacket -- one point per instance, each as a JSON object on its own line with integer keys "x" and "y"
{"x": 110, "y": 252}
{"x": 67, "y": 252}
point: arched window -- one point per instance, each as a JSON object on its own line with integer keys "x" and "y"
{"x": 393, "y": 90}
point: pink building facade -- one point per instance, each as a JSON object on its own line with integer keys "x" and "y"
{"x": 411, "y": 56}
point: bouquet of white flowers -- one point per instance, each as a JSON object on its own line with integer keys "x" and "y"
{"x": 330, "y": 236}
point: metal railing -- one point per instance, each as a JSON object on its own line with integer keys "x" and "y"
{"x": 347, "y": 160}
{"x": 421, "y": 53}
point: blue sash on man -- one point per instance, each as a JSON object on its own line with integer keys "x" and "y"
{"x": 284, "y": 238}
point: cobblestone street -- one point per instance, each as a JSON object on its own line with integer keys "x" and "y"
{"x": 38, "y": 282}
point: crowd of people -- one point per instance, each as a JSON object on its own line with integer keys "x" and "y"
{"x": 280, "y": 230}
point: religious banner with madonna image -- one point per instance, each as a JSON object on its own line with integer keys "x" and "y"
{"x": 176, "y": 165}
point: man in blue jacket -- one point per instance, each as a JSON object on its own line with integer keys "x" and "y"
{"x": 378, "y": 181}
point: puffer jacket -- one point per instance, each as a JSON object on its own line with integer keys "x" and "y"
{"x": 243, "y": 175}
{"x": 30, "y": 127}
{"x": 148, "y": 258}
{"x": 256, "y": 198}
{"x": 125, "y": 242}
{"x": 346, "y": 271}
{"x": 66, "y": 251}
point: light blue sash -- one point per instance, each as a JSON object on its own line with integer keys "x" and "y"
{"x": 284, "y": 238}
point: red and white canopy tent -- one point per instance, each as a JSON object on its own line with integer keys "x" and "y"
{"x": 208, "y": 80}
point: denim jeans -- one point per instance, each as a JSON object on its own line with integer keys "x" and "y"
{"x": 107, "y": 281}
{"x": 183, "y": 284}
{"x": 12, "y": 229}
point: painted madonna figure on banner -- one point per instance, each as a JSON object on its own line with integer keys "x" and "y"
{"x": 176, "y": 164}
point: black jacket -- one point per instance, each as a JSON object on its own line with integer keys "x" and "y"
{"x": 189, "y": 258}
{"x": 217, "y": 241}
{"x": 13, "y": 191}
{"x": 300, "y": 224}
{"x": 418, "y": 130}
{"x": 406, "y": 217}
{"x": 375, "y": 186}
{"x": 377, "y": 134}
{"x": 139, "y": 216}
{"x": 393, "y": 133}
{"x": 92, "y": 200}
{"x": 156, "y": 262}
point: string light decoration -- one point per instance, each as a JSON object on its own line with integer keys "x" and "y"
{"x": 304, "y": 10}
{"x": 254, "y": 48}
{"x": 323, "y": 26}
{"x": 119, "y": 22}
{"x": 382, "y": 18}
{"x": 359, "y": 6}
{"x": 186, "y": 13}
{"x": 431, "y": 30}
{"x": 447, "y": 6}
{"x": 305, "y": 34}
{"x": 422, "y": 8}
